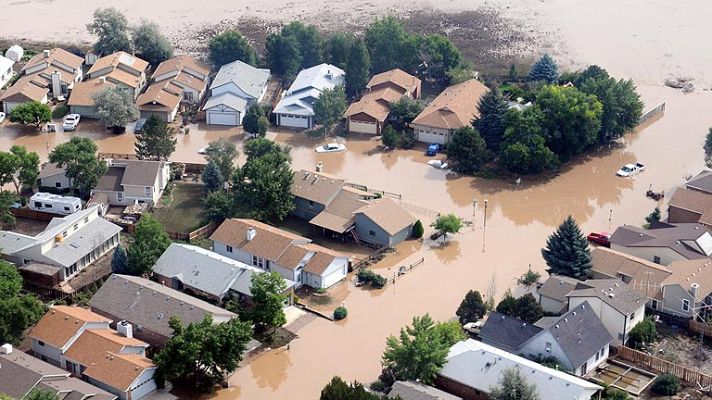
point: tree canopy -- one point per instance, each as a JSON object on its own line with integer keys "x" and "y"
{"x": 151, "y": 44}
{"x": 268, "y": 298}
{"x": 449, "y": 223}
{"x": 10, "y": 280}
{"x": 472, "y": 308}
{"x": 514, "y": 386}
{"x": 223, "y": 154}
{"x": 404, "y": 111}
{"x": 524, "y": 308}
{"x": 251, "y": 120}
{"x": 545, "y": 69}
{"x": 467, "y": 150}
{"x": 440, "y": 55}
{"x": 524, "y": 148}
{"x": 337, "y": 389}
{"x": 41, "y": 394}
{"x": 390, "y": 46}
{"x": 17, "y": 312}
{"x": 115, "y": 107}
{"x": 150, "y": 241}
{"x": 157, "y": 141}
{"x": 212, "y": 178}
{"x": 120, "y": 261}
{"x": 78, "y": 158}
{"x": 230, "y": 46}
{"x": 491, "y": 123}
{"x": 31, "y": 113}
{"x": 19, "y": 167}
{"x": 111, "y": 28}
{"x": 330, "y": 106}
{"x": 566, "y": 252}
{"x": 356, "y": 67}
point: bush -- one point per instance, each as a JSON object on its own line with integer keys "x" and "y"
{"x": 643, "y": 333}
{"x": 340, "y": 313}
{"x": 615, "y": 394}
{"x": 418, "y": 229}
{"x": 372, "y": 278}
{"x": 666, "y": 385}
{"x": 60, "y": 111}
{"x": 378, "y": 386}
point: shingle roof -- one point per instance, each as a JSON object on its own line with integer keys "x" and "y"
{"x": 687, "y": 272}
{"x": 309, "y": 84}
{"x": 249, "y": 79}
{"x": 27, "y": 88}
{"x": 48, "y": 169}
{"x": 454, "y": 108}
{"x": 557, "y": 287}
{"x": 111, "y": 180}
{"x": 316, "y": 186}
{"x": 93, "y": 343}
{"x": 118, "y": 370}
{"x": 81, "y": 242}
{"x": 61, "y": 323}
{"x": 690, "y": 240}
{"x": 409, "y": 390}
{"x": 339, "y": 214}
{"x": 693, "y": 200}
{"x": 163, "y": 95}
{"x": 404, "y": 80}
{"x": 83, "y": 92}
{"x": 388, "y": 215}
{"x": 701, "y": 181}
{"x": 231, "y": 100}
{"x": 507, "y": 332}
{"x": 318, "y": 263}
{"x": 182, "y": 63}
{"x": 614, "y": 292}
{"x": 644, "y": 276}
{"x": 269, "y": 242}
{"x": 120, "y": 57}
{"x": 56, "y": 54}
{"x": 140, "y": 172}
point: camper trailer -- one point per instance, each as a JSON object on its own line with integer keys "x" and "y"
{"x": 56, "y": 204}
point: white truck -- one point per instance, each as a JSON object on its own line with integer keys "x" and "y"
{"x": 630, "y": 170}
{"x": 54, "y": 203}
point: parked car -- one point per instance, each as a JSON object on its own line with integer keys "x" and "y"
{"x": 630, "y": 170}
{"x": 2, "y": 117}
{"x": 203, "y": 150}
{"x": 438, "y": 164}
{"x": 473, "y": 327}
{"x": 433, "y": 149}
{"x": 71, "y": 121}
{"x": 330, "y": 148}
{"x": 602, "y": 238}
{"x": 138, "y": 127}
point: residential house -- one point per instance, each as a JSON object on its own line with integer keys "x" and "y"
{"x": 129, "y": 181}
{"x": 370, "y": 113}
{"x": 701, "y": 182}
{"x": 204, "y": 273}
{"x": 664, "y": 243}
{"x": 507, "y": 333}
{"x": 148, "y": 306}
{"x": 690, "y": 206}
{"x": 294, "y": 257}
{"x": 296, "y": 108}
{"x": 21, "y": 373}
{"x": 187, "y": 72}
{"x": 82, "y": 99}
{"x": 552, "y": 293}
{"x": 688, "y": 290}
{"x": 81, "y": 342}
{"x": 52, "y": 176}
{"x": 6, "y": 71}
{"x": 412, "y": 390}
{"x": 237, "y": 87}
{"x": 67, "y": 246}
{"x": 49, "y": 74}
{"x": 122, "y": 69}
{"x": 473, "y": 368}
{"x": 454, "y": 108}
{"x": 161, "y": 99}
{"x": 383, "y": 222}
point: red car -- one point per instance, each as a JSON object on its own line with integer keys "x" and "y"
{"x": 602, "y": 239}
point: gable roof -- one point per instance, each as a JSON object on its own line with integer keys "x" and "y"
{"x": 249, "y": 79}
{"x": 614, "y": 292}
{"x": 339, "y": 214}
{"x": 56, "y": 54}
{"x": 410, "y": 390}
{"x": 61, "y": 323}
{"x": 231, "y": 100}
{"x": 695, "y": 201}
{"x": 398, "y": 77}
{"x": 690, "y": 240}
{"x": 83, "y": 92}
{"x": 454, "y": 108}
{"x": 644, "y": 276}
{"x": 318, "y": 187}
{"x": 688, "y": 272}
{"x": 119, "y": 58}
{"x": 269, "y": 242}
{"x": 180, "y": 64}
{"x": 388, "y": 215}
{"x": 27, "y": 88}
{"x": 376, "y": 103}
{"x": 701, "y": 181}
{"x": 505, "y": 331}
{"x": 130, "y": 172}
{"x": 557, "y": 287}
{"x": 48, "y": 169}
{"x": 309, "y": 84}
{"x": 164, "y": 95}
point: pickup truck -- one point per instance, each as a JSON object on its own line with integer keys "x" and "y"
{"x": 630, "y": 170}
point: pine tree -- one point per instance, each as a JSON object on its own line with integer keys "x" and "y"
{"x": 120, "y": 261}
{"x": 566, "y": 252}
{"x": 418, "y": 229}
{"x": 358, "y": 64}
{"x": 472, "y": 307}
{"x": 653, "y": 216}
{"x": 544, "y": 70}
{"x": 157, "y": 141}
{"x": 492, "y": 120}
{"x": 212, "y": 179}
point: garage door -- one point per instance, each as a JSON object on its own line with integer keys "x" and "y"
{"x": 222, "y": 118}
{"x": 295, "y": 121}
{"x": 160, "y": 114}
{"x": 363, "y": 127}
{"x": 430, "y": 137}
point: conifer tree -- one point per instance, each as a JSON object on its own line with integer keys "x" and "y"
{"x": 212, "y": 179}
{"x": 566, "y": 252}
{"x": 492, "y": 120}
{"x": 544, "y": 70}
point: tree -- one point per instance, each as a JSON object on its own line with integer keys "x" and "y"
{"x": 653, "y": 216}
{"x": 390, "y": 46}
{"x": 643, "y": 333}
{"x": 250, "y": 122}
{"x": 111, "y": 28}
{"x": 418, "y": 230}
{"x": 507, "y": 305}
{"x": 223, "y": 154}
{"x": 611, "y": 393}
{"x": 212, "y": 178}
{"x": 41, "y": 394}
{"x": 440, "y": 55}
{"x": 491, "y": 123}
{"x": 524, "y": 149}
{"x": 120, "y": 261}
{"x": 449, "y": 223}
{"x": 472, "y": 308}
{"x": 357, "y": 65}
{"x": 151, "y": 44}
{"x": 566, "y": 252}
{"x": 262, "y": 126}
{"x": 157, "y": 141}
{"x": 467, "y": 151}
{"x": 337, "y": 48}
{"x": 150, "y": 241}
{"x": 329, "y": 107}
{"x": 282, "y": 55}
{"x": 311, "y": 45}
{"x": 544, "y": 70}
{"x": 203, "y": 352}
{"x": 115, "y": 107}
{"x": 340, "y": 313}
{"x": 708, "y": 147}
{"x": 7, "y": 199}
{"x": 260, "y": 147}
{"x": 420, "y": 350}
{"x": 10, "y": 280}
{"x": 78, "y": 158}
{"x": 28, "y": 167}
{"x": 337, "y": 389}
{"x": 525, "y": 308}
{"x": 31, "y": 113}
{"x": 8, "y": 167}
{"x": 230, "y": 46}
{"x": 218, "y": 206}
{"x": 404, "y": 111}
{"x": 529, "y": 278}
{"x": 17, "y": 313}
{"x": 513, "y": 386}
{"x": 666, "y": 385}
{"x": 268, "y": 298}
{"x": 513, "y": 74}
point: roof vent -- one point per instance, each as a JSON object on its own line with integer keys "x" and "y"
{"x": 251, "y": 233}
{"x": 611, "y": 295}
{"x": 574, "y": 313}
{"x": 556, "y": 326}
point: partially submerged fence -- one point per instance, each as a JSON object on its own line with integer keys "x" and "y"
{"x": 652, "y": 363}
{"x": 651, "y": 113}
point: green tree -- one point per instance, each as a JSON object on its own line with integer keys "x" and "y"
{"x": 653, "y": 216}
{"x": 9, "y": 163}
{"x": 31, "y": 113}
{"x": 120, "y": 261}
{"x": 329, "y": 107}
{"x": 472, "y": 308}
{"x": 230, "y": 46}
{"x": 513, "y": 74}
{"x": 544, "y": 70}
{"x": 337, "y": 47}
{"x": 10, "y": 280}
{"x": 449, "y": 223}
{"x": 337, "y": 389}
{"x": 212, "y": 178}
{"x": 404, "y": 111}
{"x": 260, "y": 147}
{"x": 611, "y": 393}
{"x": 643, "y": 333}
{"x": 666, "y": 385}
{"x": 7, "y": 199}
{"x": 17, "y": 313}
{"x": 507, "y": 305}
{"x": 524, "y": 149}
{"x": 115, "y": 107}
{"x": 311, "y": 45}
{"x": 529, "y": 278}
{"x": 28, "y": 167}
{"x": 566, "y": 252}
{"x": 491, "y": 123}
{"x": 440, "y": 55}
{"x": 268, "y": 299}
{"x": 157, "y": 141}
{"x": 151, "y": 44}
{"x": 41, "y": 394}
{"x": 282, "y": 55}
{"x": 708, "y": 148}
{"x": 223, "y": 154}
{"x": 513, "y": 386}
{"x": 528, "y": 309}
{"x": 111, "y": 28}
{"x": 418, "y": 230}
{"x": 390, "y": 138}
{"x": 357, "y": 65}
{"x": 218, "y": 206}
{"x": 250, "y": 122}
{"x": 467, "y": 150}
{"x": 340, "y": 313}
{"x": 150, "y": 241}
{"x": 390, "y": 46}
{"x": 262, "y": 126}
{"x": 78, "y": 158}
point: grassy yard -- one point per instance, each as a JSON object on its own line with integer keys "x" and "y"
{"x": 183, "y": 210}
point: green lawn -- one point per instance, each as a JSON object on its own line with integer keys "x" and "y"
{"x": 184, "y": 211}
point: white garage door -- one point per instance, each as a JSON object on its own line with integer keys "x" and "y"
{"x": 431, "y": 137}
{"x": 222, "y": 118}
{"x": 363, "y": 127}
{"x": 294, "y": 121}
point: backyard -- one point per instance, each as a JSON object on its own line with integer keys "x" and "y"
{"x": 182, "y": 209}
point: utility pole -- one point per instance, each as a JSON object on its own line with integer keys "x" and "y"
{"x": 484, "y": 228}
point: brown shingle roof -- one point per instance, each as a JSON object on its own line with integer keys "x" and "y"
{"x": 118, "y": 370}
{"x": 162, "y": 95}
{"x": 121, "y": 76}
{"x": 269, "y": 242}
{"x": 316, "y": 186}
{"x": 695, "y": 201}
{"x": 91, "y": 345}
{"x": 292, "y": 257}
{"x": 57, "y": 54}
{"x": 27, "y": 88}
{"x": 83, "y": 92}
{"x": 385, "y": 213}
{"x": 111, "y": 180}
{"x": 179, "y": 63}
{"x": 398, "y": 77}
{"x": 454, "y": 108}
{"x": 60, "y": 323}
{"x": 338, "y": 216}
{"x": 375, "y": 104}
{"x": 687, "y": 272}
{"x": 318, "y": 263}
{"x": 140, "y": 172}
{"x": 120, "y": 57}
{"x": 701, "y": 181}
{"x": 644, "y": 276}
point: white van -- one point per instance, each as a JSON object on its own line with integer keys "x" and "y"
{"x": 54, "y": 203}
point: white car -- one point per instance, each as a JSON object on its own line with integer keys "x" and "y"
{"x": 438, "y": 164}
{"x": 2, "y": 117}
{"x": 71, "y": 121}
{"x": 630, "y": 170}
{"x": 473, "y": 327}
{"x": 330, "y": 148}
{"x": 203, "y": 150}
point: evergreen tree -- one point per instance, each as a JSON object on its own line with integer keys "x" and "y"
{"x": 212, "y": 178}
{"x": 223, "y": 154}
{"x": 507, "y": 305}
{"x": 337, "y": 48}
{"x": 262, "y": 126}
{"x": 358, "y": 64}
{"x": 282, "y": 55}
{"x": 472, "y": 307}
{"x": 708, "y": 148}
{"x": 513, "y": 386}
{"x": 337, "y": 389}
{"x": 150, "y": 241}
{"x": 566, "y": 252}
{"x": 418, "y": 229}
{"x": 492, "y": 120}
{"x": 467, "y": 151}
{"x": 218, "y": 206}
{"x": 250, "y": 122}
{"x": 157, "y": 141}
{"x": 654, "y": 216}
{"x": 120, "y": 261}
{"x": 151, "y": 44}
{"x": 544, "y": 70}
{"x": 230, "y": 46}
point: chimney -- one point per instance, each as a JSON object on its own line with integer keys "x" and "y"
{"x": 329, "y": 75}
{"x": 319, "y": 166}
{"x": 125, "y": 329}
{"x": 695, "y": 289}
{"x": 251, "y": 233}
{"x": 56, "y": 83}
{"x": 6, "y": 349}
{"x": 45, "y": 53}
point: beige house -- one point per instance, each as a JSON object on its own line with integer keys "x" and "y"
{"x": 123, "y": 70}
{"x": 82, "y": 99}
{"x": 190, "y": 74}
{"x": 161, "y": 99}
{"x": 130, "y": 181}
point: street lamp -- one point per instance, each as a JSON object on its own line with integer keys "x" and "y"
{"x": 610, "y": 217}
{"x": 474, "y": 209}
{"x": 484, "y": 228}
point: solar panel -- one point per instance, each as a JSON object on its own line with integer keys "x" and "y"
{"x": 705, "y": 243}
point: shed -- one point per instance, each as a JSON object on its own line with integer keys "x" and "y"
{"x": 15, "y": 53}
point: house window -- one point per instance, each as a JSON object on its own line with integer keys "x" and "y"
{"x": 656, "y": 259}
{"x": 38, "y": 204}
{"x": 58, "y": 184}
{"x": 372, "y": 233}
{"x": 120, "y": 196}
{"x": 66, "y": 208}
{"x": 188, "y": 96}
{"x": 603, "y": 350}
{"x": 654, "y": 304}
{"x": 685, "y": 305}
{"x": 258, "y": 262}
{"x": 86, "y": 219}
{"x": 632, "y": 316}
{"x": 148, "y": 190}
{"x": 41, "y": 343}
{"x": 584, "y": 368}
{"x": 229, "y": 249}
{"x": 76, "y": 226}
{"x": 48, "y": 206}
{"x": 64, "y": 234}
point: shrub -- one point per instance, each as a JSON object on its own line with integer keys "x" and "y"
{"x": 418, "y": 229}
{"x": 615, "y": 394}
{"x": 666, "y": 385}
{"x": 372, "y": 278}
{"x": 643, "y": 333}
{"x": 378, "y": 386}
{"x": 340, "y": 313}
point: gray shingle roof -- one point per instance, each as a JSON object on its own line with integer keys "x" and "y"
{"x": 308, "y": 86}
{"x": 249, "y": 79}
{"x": 557, "y": 287}
{"x": 409, "y": 390}
{"x": 506, "y": 332}
{"x": 683, "y": 238}
{"x": 111, "y": 180}
{"x": 233, "y": 101}
{"x": 701, "y": 181}
{"x": 614, "y": 292}
{"x": 82, "y": 242}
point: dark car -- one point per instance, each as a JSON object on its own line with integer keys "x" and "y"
{"x": 433, "y": 149}
{"x": 138, "y": 128}
{"x": 602, "y": 239}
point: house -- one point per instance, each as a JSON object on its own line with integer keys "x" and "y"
{"x": 148, "y": 306}
{"x": 122, "y": 69}
{"x": 21, "y": 373}
{"x": 701, "y": 182}
{"x": 383, "y": 222}
{"x": 688, "y": 290}
{"x": 507, "y": 333}
{"x": 187, "y": 72}
{"x": 81, "y": 342}
{"x": 295, "y": 109}
{"x": 411, "y": 390}
{"x": 664, "y": 243}
{"x": 82, "y": 99}
{"x": 129, "y": 181}
{"x": 237, "y": 87}
{"x": 161, "y": 99}
{"x": 690, "y": 206}
{"x": 552, "y": 293}
{"x": 473, "y": 368}
{"x": 370, "y": 113}
{"x": 25, "y": 90}
{"x": 294, "y": 257}
{"x": 454, "y": 108}
{"x": 67, "y": 246}
{"x": 52, "y": 177}
{"x": 6, "y": 71}
{"x": 204, "y": 273}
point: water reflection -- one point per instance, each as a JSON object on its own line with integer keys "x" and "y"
{"x": 271, "y": 378}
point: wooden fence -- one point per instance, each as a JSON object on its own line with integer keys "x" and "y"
{"x": 190, "y": 236}
{"x": 699, "y": 327}
{"x": 33, "y": 214}
{"x": 650, "y": 114}
{"x": 659, "y": 365}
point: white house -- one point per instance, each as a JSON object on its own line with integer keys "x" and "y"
{"x": 295, "y": 109}
{"x": 129, "y": 181}
{"x": 236, "y": 87}
{"x": 51, "y": 176}
{"x": 271, "y": 249}
{"x": 6, "y": 71}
